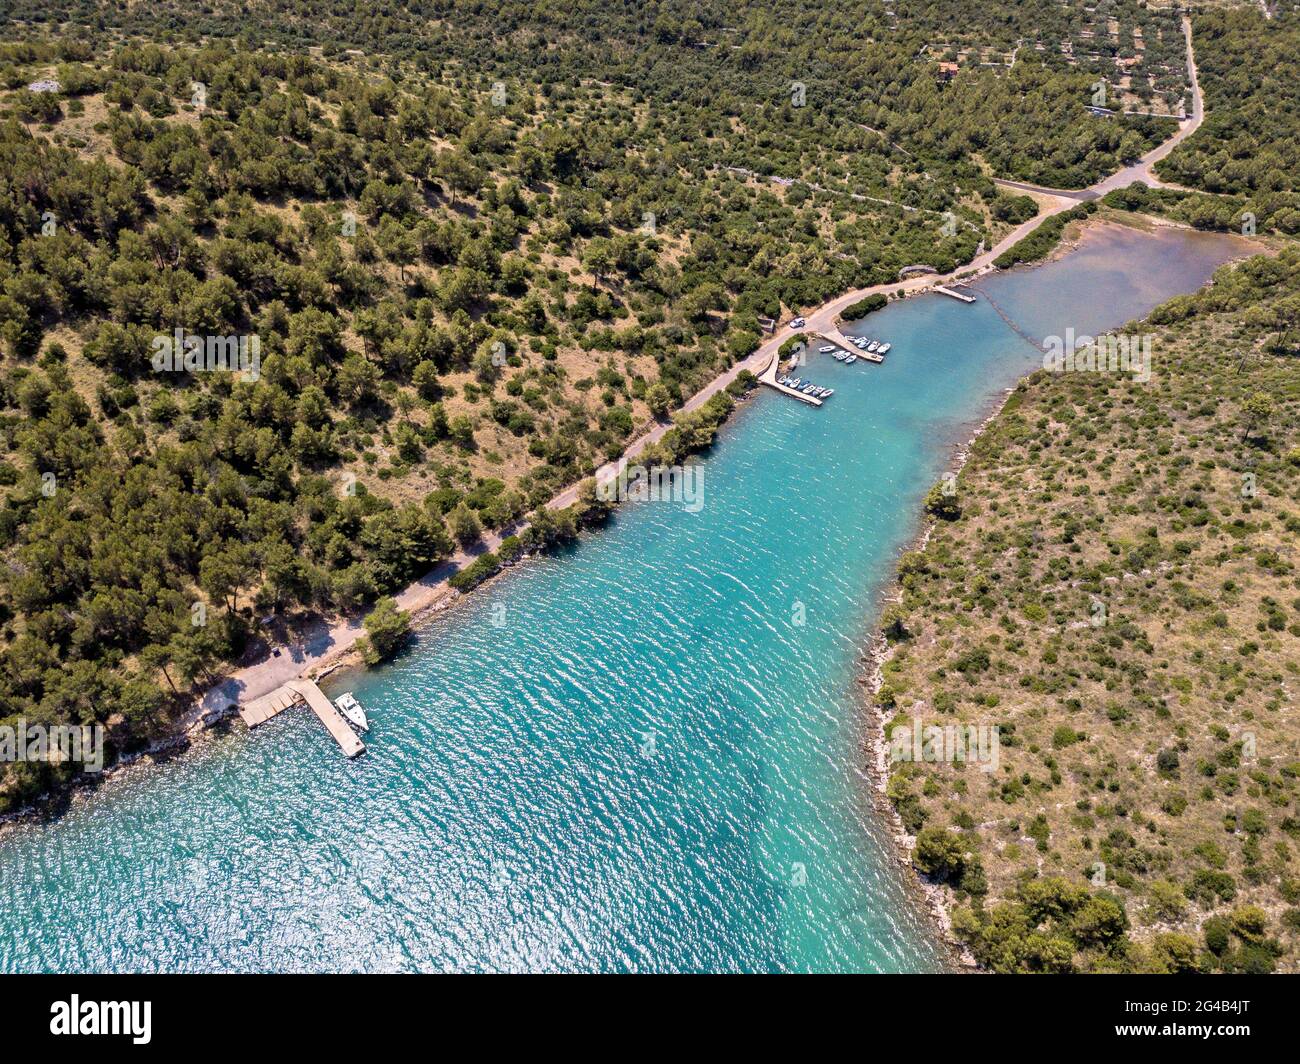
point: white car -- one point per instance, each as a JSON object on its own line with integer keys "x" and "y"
{"x": 798, "y": 323}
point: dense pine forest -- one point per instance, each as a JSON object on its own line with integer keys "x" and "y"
{"x": 464, "y": 253}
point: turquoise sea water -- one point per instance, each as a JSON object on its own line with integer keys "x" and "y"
{"x": 642, "y": 754}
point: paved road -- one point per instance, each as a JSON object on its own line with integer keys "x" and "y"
{"x": 1063, "y": 193}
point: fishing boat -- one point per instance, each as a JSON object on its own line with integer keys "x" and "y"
{"x": 351, "y": 709}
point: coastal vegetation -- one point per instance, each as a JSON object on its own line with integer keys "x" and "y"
{"x": 1249, "y": 215}
{"x": 387, "y": 628}
{"x": 1039, "y": 244}
{"x": 1111, "y": 586}
{"x": 863, "y": 307}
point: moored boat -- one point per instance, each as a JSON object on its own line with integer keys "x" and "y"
{"x": 352, "y": 710}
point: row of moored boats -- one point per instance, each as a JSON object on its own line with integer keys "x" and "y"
{"x": 806, "y": 387}
{"x": 874, "y": 350}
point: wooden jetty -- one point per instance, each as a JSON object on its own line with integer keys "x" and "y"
{"x": 296, "y": 692}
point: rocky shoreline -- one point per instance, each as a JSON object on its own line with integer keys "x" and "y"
{"x": 938, "y": 897}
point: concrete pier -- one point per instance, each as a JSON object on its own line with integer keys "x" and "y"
{"x": 945, "y": 290}
{"x": 768, "y": 377}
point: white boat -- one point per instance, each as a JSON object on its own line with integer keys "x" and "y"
{"x": 825, "y": 350}
{"x": 883, "y": 349}
{"x": 873, "y": 345}
{"x": 351, "y": 708}
{"x": 828, "y": 393}
{"x": 850, "y": 360}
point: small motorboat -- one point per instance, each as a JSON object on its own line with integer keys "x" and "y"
{"x": 351, "y": 709}
{"x": 850, "y": 360}
{"x": 825, "y": 350}
{"x": 828, "y": 393}
{"x": 873, "y": 345}
{"x": 883, "y": 349}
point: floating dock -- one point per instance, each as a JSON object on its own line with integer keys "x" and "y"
{"x": 945, "y": 290}
{"x": 296, "y": 692}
